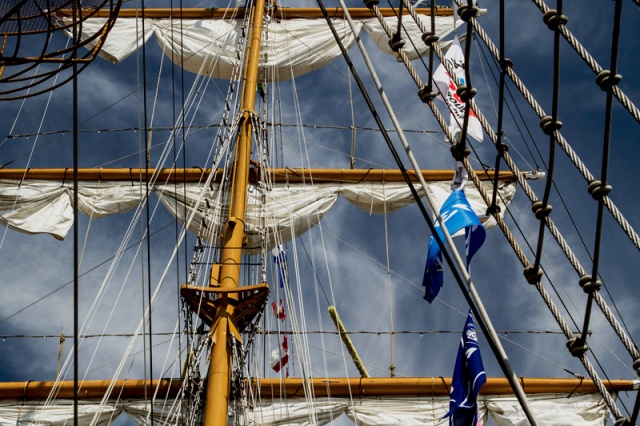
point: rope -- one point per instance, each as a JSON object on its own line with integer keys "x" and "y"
{"x": 628, "y": 343}
{"x": 592, "y": 63}
{"x": 582, "y": 168}
{"x": 532, "y": 196}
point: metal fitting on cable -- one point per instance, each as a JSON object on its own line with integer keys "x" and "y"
{"x": 553, "y": 19}
{"x": 466, "y": 13}
{"x": 533, "y": 275}
{"x": 577, "y": 346}
{"x": 548, "y": 125}
{"x": 540, "y": 210}
{"x": 429, "y": 38}
{"x": 606, "y": 81}
{"x": 598, "y": 190}
{"x": 588, "y": 284}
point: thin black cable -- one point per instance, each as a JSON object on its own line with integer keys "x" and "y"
{"x": 550, "y": 125}
{"x": 493, "y": 208}
{"x": 76, "y": 259}
{"x": 147, "y": 208}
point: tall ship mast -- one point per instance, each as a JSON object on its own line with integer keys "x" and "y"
{"x": 254, "y": 202}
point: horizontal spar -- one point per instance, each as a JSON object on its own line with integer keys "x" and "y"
{"x": 277, "y": 175}
{"x": 232, "y": 13}
{"x": 293, "y": 387}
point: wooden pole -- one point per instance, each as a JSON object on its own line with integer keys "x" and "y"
{"x": 219, "y": 374}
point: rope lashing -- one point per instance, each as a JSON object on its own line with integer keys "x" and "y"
{"x": 623, "y": 422}
{"x": 467, "y": 12}
{"x": 636, "y": 365}
{"x": 465, "y": 93}
{"x": 426, "y": 93}
{"x": 429, "y": 38}
{"x": 532, "y": 274}
{"x": 396, "y": 43}
{"x": 597, "y": 190}
{"x": 553, "y": 19}
{"x": 540, "y": 210}
{"x": 548, "y": 125}
{"x": 577, "y": 346}
{"x": 606, "y": 81}
{"x": 460, "y": 151}
{"x": 589, "y": 284}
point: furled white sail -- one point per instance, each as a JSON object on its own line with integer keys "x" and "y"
{"x": 34, "y": 206}
{"x": 291, "y": 47}
{"x": 550, "y": 410}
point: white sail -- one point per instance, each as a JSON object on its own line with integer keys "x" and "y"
{"x": 36, "y": 207}
{"x": 208, "y": 47}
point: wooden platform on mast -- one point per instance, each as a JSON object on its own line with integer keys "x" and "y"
{"x": 209, "y": 302}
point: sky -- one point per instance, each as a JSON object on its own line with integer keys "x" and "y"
{"x": 368, "y": 266}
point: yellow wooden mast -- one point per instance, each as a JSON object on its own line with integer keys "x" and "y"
{"x": 221, "y": 312}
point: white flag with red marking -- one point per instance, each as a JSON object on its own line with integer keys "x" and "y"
{"x": 279, "y": 356}
{"x": 278, "y": 310}
{"x": 447, "y": 87}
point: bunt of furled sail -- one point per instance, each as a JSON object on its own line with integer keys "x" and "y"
{"x": 288, "y": 210}
{"x": 579, "y": 410}
{"x": 291, "y": 47}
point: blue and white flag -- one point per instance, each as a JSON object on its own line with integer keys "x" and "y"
{"x": 456, "y": 213}
{"x": 468, "y": 378}
{"x": 280, "y": 259}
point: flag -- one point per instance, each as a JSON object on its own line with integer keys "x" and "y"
{"x": 280, "y": 259}
{"x": 447, "y": 87}
{"x": 468, "y": 378}
{"x": 279, "y": 356}
{"x": 278, "y": 310}
{"x": 457, "y": 214}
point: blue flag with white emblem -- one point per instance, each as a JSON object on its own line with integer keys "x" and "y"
{"x": 457, "y": 214}
{"x": 468, "y": 378}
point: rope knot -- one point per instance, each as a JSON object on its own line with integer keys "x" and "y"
{"x": 460, "y": 151}
{"x": 465, "y": 93}
{"x": 426, "y": 94}
{"x": 589, "y": 284}
{"x": 636, "y": 365}
{"x": 466, "y": 13}
{"x": 606, "y": 81}
{"x": 506, "y": 64}
{"x": 549, "y": 125}
{"x": 492, "y": 209}
{"x": 429, "y": 38}
{"x": 598, "y": 190}
{"x": 501, "y": 148}
{"x": 553, "y": 19}
{"x": 532, "y": 274}
{"x": 396, "y": 43}
{"x": 577, "y": 346}
{"x": 541, "y": 210}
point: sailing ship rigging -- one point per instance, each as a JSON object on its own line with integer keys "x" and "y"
{"x": 208, "y": 156}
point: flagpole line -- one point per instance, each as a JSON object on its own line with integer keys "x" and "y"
{"x": 472, "y": 296}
